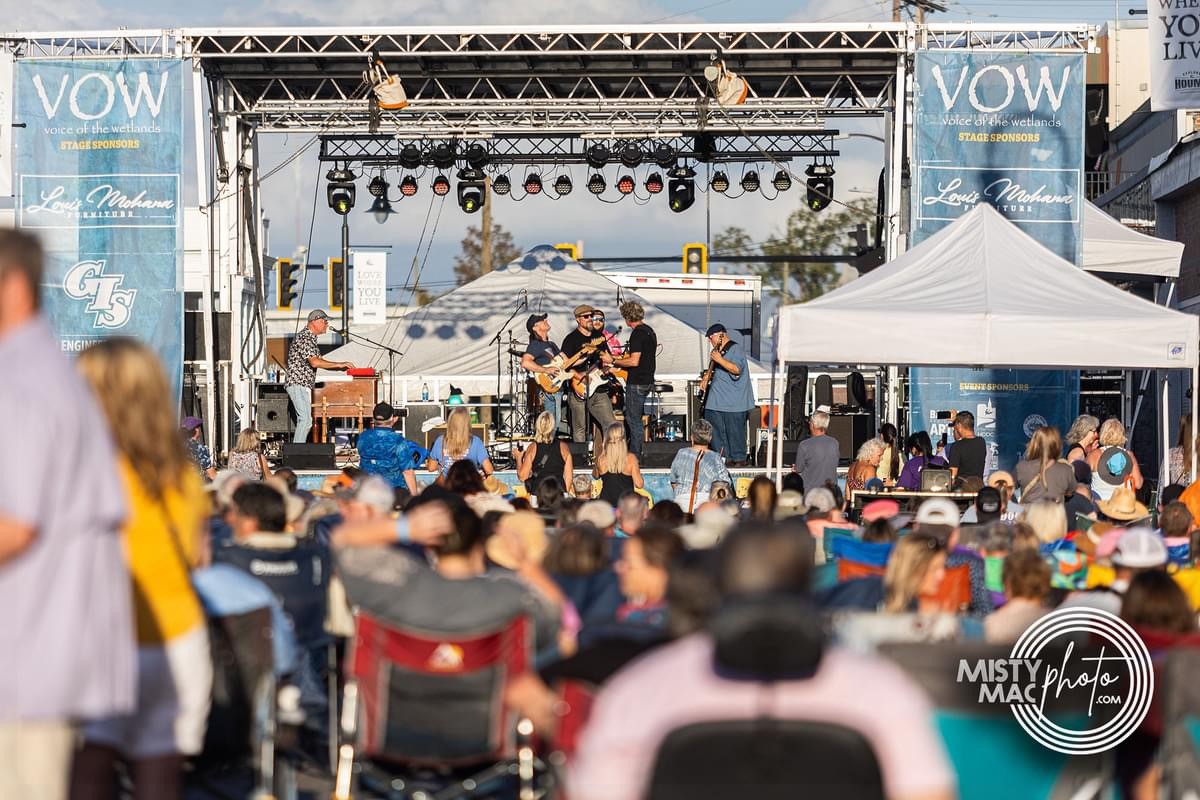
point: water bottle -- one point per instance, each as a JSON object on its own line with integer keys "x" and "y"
{"x": 424, "y": 392}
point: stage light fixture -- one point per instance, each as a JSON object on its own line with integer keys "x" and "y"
{"x": 625, "y": 184}
{"x": 501, "y": 185}
{"x": 341, "y": 191}
{"x": 819, "y": 185}
{"x": 750, "y": 181}
{"x": 441, "y": 186}
{"x": 478, "y": 156}
{"x": 410, "y": 156}
{"x": 664, "y": 155}
{"x": 596, "y": 183}
{"x": 443, "y": 155}
{"x": 681, "y": 193}
{"x": 471, "y": 190}
{"x": 377, "y": 187}
{"x": 782, "y": 181}
{"x": 631, "y": 155}
{"x": 563, "y": 185}
{"x": 408, "y": 186}
{"x": 533, "y": 183}
{"x": 654, "y": 183}
{"x": 720, "y": 182}
{"x": 597, "y": 156}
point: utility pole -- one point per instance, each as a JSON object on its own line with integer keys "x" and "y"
{"x": 485, "y": 240}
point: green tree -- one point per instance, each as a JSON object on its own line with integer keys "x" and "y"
{"x": 806, "y": 232}
{"x": 470, "y": 263}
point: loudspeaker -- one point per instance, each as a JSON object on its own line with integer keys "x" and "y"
{"x": 659, "y": 455}
{"x": 417, "y": 414}
{"x": 308, "y": 456}
{"x": 856, "y": 390}
{"x": 432, "y": 434}
{"x": 789, "y": 454}
{"x": 795, "y": 393}
{"x": 272, "y": 414}
{"x": 850, "y": 430}
{"x": 823, "y": 391}
{"x": 194, "y": 345}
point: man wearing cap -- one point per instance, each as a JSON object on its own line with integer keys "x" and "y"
{"x": 598, "y": 406}
{"x": 383, "y": 451}
{"x": 730, "y": 396}
{"x": 303, "y": 361}
{"x": 197, "y": 450}
{"x": 536, "y": 359}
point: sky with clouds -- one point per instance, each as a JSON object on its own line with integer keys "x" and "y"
{"x": 619, "y": 229}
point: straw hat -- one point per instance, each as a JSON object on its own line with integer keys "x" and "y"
{"x": 527, "y": 528}
{"x": 1123, "y": 505}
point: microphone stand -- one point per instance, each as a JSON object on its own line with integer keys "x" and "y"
{"x": 498, "y": 340}
{"x": 391, "y": 351}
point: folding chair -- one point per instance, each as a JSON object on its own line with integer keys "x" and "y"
{"x": 425, "y": 710}
{"x": 954, "y": 594}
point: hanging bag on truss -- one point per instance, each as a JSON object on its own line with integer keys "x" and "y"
{"x": 388, "y": 91}
{"x": 730, "y": 90}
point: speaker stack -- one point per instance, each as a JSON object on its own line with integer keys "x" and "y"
{"x": 309, "y": 456}
{"x": 272, "y": 409}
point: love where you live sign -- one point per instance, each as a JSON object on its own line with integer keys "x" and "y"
{"x": 1174, "y": 53}
{"x": 98, "y": 170}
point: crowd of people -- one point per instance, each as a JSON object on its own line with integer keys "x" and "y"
{"x": 119, "y": 537}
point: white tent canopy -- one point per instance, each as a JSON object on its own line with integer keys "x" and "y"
{"x": 983, "y": 292}
{"x": 1110, "y": 247}
{"x": 447, "y": 341}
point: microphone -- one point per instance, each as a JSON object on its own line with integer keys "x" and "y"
{"x": 344, "y": 333}
{"x": 619, "y": 329}
{"x": 524, "y": 298}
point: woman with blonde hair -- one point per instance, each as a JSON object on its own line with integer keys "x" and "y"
{"x": 1112, "y": 463}
{"x": 1048, "y": 521}
{"x": 247, "y": 456}
{"x": 617, "y": 468}
{"x": 1041, "y": 475}
{"x": 866, "y": 465}
{"x": 914, "y": 573}
{"x": 548, "y": 456}
{"x": 1180, "y": 456}
{"x": 162, "y": 544}
{"x": 456, "y": 444}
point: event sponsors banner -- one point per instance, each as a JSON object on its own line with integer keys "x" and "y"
{"x": 98, "y": 166}
{"x": 1174, "y": 54}
{"x": 1008, "y": 404}
{"x": 1005, "y": 129}
{"x": 6, "y": 120}
{"x": 370, "y": 287}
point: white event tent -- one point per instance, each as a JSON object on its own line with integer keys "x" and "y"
{"x": 448, "y": 341}
{"x": 1112, "y": 248}
{"x": 982, "y": 293}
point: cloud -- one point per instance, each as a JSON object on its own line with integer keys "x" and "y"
{"x": 843, "y": 11}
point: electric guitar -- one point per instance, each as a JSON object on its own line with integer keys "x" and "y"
{"x": 707, "y": 376}
{"x": 552, "y": 382}
{"x": 584, "y": 386}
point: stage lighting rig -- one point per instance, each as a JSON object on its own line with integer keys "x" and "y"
{"x": 533, "y": 183}
{"x": 654, "y": 183}
{"x": 681, "y": 192}
{"x": 782, "y": 181}
{"x": 664, "y": 155}
{"x": 443, "y": 155}
{"x": 441, "y": 186}
{"x": 820, "y": 186}
{"x": 501, "y": 185}
{"x": 720, "y": 182}
{"x": 478, "y": 156}
{"x": 472, "y": 193}
{"x": 381, "y": 209}
{"x": 408, "y": 186}
{"x": 625, "y": 184}
{"x": 563, "y": 185}
{"x": 410, "y": 156}
{"x": 597, "y": 156}
{"x": 631, "y": 155}
{"x": 750, "y": 182}
{"x": 596, "y": 183}
{"x": 340, "y": 192}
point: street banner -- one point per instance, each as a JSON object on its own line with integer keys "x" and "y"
{"x": 6, "y": 121}
{"x": 98, "y": 168}
{"x": 370, "y": 287}
{"x": 1174, "y": 54}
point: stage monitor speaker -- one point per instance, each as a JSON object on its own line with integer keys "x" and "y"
{"x": 660, "y": 455}
{"x": 823, "y": 391}
{"x": 272, "y": 413}
{"x": 851, "y": 430}
{"x": 418, "y": 413}
{"x": 795, "y": 393}
{"x": 789, "y": 454}
{"x": 308, "y": 456}
{"x": 431, "y": 435}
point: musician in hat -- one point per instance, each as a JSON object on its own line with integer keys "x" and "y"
{"x": 537, "y": 357}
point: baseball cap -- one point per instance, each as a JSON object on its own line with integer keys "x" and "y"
{"x": 937, "y": 511}
{"x": 1140, "y": 548}
{"x": 597, "y": 512}
{"x": 534, "y": 319}
{"x": 317, "y": 314}
{"x": 819, "y": 500}
{"x": 987, "y": 505}
{"x": 191, "y": 423}
{"x": 383, "y": 411}
{"x": 584, "y": 309}
{"x": 880, "y": 509}
{"x": 716, "y": 327}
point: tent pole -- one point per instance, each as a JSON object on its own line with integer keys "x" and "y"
{"x": 779, "y": 432}
{"x": 770, "y": 459}
{"x": 1164, "y": 470}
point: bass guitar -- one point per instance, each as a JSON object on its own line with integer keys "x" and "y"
{"x": 552, "y": 382}
{"x": 707, "y": 376}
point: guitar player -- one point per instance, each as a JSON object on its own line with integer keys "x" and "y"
{"x": 730, "y": 396}
{"x": 536, "y": 359}
{"x": 598, "y": 406}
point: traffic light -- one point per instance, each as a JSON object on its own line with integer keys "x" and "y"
{"x": 569, "y": 250}
{"x": 286, "y": 291}
{"x": 336, "y": 269}
{"x": 695, "y": 258}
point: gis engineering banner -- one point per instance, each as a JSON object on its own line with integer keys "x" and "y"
{"x": 1008, "y": 404}
{"x": 1005, "y": 129}
{"x": 98, "y": 165}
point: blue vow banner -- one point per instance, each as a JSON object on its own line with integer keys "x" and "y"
{"x": 1005, "y": 129}
{"x": 98, "y": 172}
{"x": 1008, "y": 404}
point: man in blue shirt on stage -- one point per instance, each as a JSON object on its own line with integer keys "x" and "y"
{"x": 385, "y": 452}
{"x": 730, "y": 396}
